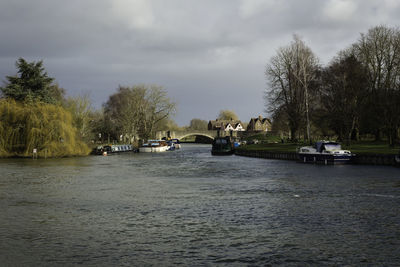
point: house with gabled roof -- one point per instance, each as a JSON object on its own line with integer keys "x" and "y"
{"x": 259, "y": 124}
{"x": 225, "y": 125}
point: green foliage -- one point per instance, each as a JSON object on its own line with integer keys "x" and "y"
{"x": 102, "y": 124}
{"x": 31, "y": 84}
{"x": 277, "y": 147}
{"x": 227, "y": 115}
{"x": 46, "y": 127}
{"x": 57, "y": 94}
{"x": 264, "y": 138}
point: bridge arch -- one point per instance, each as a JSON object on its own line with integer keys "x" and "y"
{"x": 182, "y": 134}
{"x": 194, "y": 134}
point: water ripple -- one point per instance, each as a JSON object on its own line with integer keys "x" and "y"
{"x": 190, "y": 208}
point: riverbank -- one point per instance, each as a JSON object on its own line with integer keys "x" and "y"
{"x": 56, "y": 153}
{"x": 365, "y": 153}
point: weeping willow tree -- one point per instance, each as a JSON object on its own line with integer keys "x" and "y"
{"x": 45, "y": 127}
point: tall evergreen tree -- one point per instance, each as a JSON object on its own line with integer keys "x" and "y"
{"x": 31, "y": 84}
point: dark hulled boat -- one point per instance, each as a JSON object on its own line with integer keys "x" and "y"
{"x": 222, "y": 146}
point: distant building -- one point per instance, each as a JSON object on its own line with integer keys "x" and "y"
{"x": 225, "y": 125}
{"x": 259, "y": 124}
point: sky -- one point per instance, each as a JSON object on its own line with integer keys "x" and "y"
{"x": 209, "y": 55}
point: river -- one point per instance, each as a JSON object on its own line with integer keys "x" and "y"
{"x": 190, "y": 208}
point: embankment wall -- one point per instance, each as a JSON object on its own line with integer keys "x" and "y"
{"x": 368, "y": 159}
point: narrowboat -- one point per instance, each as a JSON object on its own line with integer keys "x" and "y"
{"x": 324, "y": 152}
{"x": 109, "y": 149}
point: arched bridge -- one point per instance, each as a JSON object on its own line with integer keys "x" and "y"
{"x": 182, "y": 134}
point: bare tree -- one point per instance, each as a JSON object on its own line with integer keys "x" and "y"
{"x": 154, "y": 107}
{"x": 343, "y": 92}
{"x": 198, "y": 124}
{"x": 379, "y": 51}
{"x": 136, "y": 110}
{"x": 290, "y": 74}
{"x": 81, "y": 110}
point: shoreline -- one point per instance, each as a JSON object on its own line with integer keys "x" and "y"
{"x": 359, "y": 159}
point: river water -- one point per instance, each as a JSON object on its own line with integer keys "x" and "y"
{"x": 190, "y": 208}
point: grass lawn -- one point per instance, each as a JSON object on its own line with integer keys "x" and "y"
{"x": 279, "y": 147}
{"x": 362, "y": 147}
{"x": 370, "y": 147}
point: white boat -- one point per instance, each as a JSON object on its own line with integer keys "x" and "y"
{"x": 325, "y": 152}
{"x": 154, "y": 146}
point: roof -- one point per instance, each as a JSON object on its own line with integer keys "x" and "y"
{"x": 224, "y": 123}
{"x": 261, "y": 119}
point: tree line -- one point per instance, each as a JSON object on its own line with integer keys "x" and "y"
{"x": 135, "y": 112}
{"x": 356, "y": 94}
{"x": 36, "y": 114}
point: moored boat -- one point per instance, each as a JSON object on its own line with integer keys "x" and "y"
{"x": 176, "y": 143}
{"x": 171, "y": 145}
{"x": 109, "y": 149}
{"x": 324, "y": 152}
{"x": 222, "y": 146}
{"x": 154, "y": 146}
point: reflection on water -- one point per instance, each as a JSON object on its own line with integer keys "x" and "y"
{"x": 187, "y": 207}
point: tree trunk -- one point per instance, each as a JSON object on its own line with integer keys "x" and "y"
{"x": 307, "y": 115}
{"x": 392, "y": 137}
{"x": 351, "y": 132}
{"x": 293, "y": 132}
{"x": 355, "y": 134}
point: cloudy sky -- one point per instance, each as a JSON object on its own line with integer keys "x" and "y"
{"x": 209, "y": 55}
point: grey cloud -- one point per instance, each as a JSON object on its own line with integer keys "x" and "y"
{"x": 210, "y": 55}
